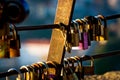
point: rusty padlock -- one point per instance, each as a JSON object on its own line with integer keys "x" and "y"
{"x": 89, "y": 70}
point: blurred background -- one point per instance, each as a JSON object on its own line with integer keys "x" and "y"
{"x": 35, "y": 44}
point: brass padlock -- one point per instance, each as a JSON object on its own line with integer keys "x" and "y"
{"x": 99, "y": 29}
{"x": 26, "y": 72}
{"x": 14, "y": 43}
{"x": 89, "y": 70}
{"x": 105, "y": 30}
{"x": 4, "y": 42}
{"x": 44, "y": 70}
{"x": 80, "y": 30}
{"x": 4, "y": 47}
{"x": 54, "y": 70}
{"x": 78, "y": 69}
{"x": 74, "y": 35}
{"x": 69, "y": 73}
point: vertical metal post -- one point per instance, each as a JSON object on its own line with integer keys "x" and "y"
{"x": 57, "y": 44}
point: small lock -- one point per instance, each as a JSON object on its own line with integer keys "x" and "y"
{"x": 4, "y": 47}
{"x": 90, "y": 22}
{"x": 54, "y": 70}
{"x": 14, "y": 43}
{"x": 99, "y": 29}
{"x": 80, "y": 30}
{"x": 13, "y": 71}
{"x": 14, "y": 48}
{"x": 79, "y": 68}
{"x": 74, "y": 35}
{"x": 4, "y": 42}
{"x": 104, "y": 27}
{"x": 89, "y": 70}
{"x": 69, "y": 71}
{"x": 85, "y": 35}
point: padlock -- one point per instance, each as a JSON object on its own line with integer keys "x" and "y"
{"x": 64, "y": 70}
{"x": 52, "y": 70}
{"x": 63, "y": 74}
{"x": 85, "y": 40}
{"x": 87, "y": 28}
{"x": 79, "y": 68}
{"x": 45, "y": 72}
{"x": 13, "y": 71}
{"x": 19, "y": 76}
{"x": 74, "y": 34}
{"x": 80, "y": 30}
{"x": 99, "y": 29}
{"x": 69, "y": 73}
{"x": 14, "y": 43}
{"x": 94, "y": 28}
{"x": 105, "y": 30}
{"x": 4, "y": 41}
{"x": 32, "y": 73}
{"x": 4, "y": 47}
{"x": 89, "y": 70}
{"x": 89, "y": 20}
{"x": 85, "y": 35}
{"x": 26, "y": 72}
{"x": 38, "y": 70}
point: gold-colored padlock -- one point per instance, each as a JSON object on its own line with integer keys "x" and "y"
{"x": 78, "y": 68}
{"x": 4, "y": 47}
{"x": 14, "y": 43}
{"x": 105, "y": 30}
{"x": 69, "y": 72}
{"x": 4, "y": 42}
{"x": 89, "y": 70}
{"x": 54, "y": 72}
{"x": 74, "y": 35}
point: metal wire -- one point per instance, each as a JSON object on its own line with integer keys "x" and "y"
{"x": 51, "y": 26}
{"x": 41, "y": 27}
{"x": 98, "y": 56}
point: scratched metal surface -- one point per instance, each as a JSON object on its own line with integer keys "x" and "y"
{"x": 63, "y": 15}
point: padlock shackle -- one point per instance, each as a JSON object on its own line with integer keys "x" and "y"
{"x": 91, "y": 59}
{"x": 14, "y": 31}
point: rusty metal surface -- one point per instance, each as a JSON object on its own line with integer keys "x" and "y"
{"x": 57, "y": 44}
